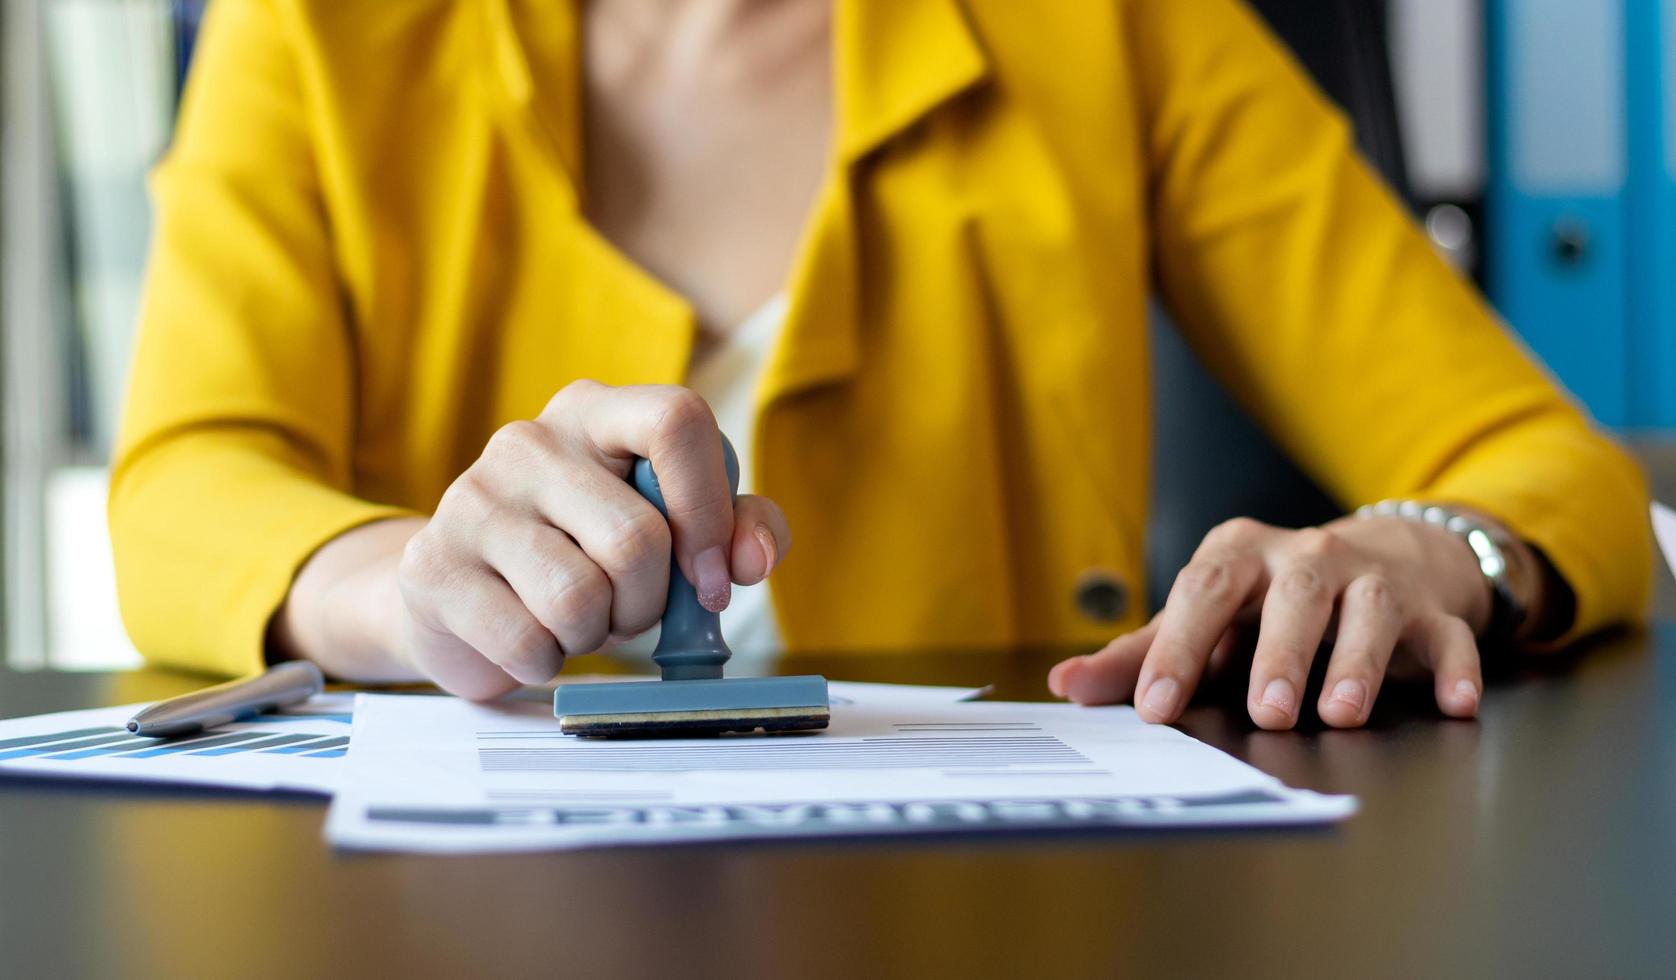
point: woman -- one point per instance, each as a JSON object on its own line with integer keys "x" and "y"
{"x": 428, "y": 276}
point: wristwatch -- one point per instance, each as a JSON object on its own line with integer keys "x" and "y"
{"x": 1509, "y": 580}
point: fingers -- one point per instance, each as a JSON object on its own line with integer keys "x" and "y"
{"x": 542, "y": 548}
{"x": 1386, "y": 601}
{"x": 1447, "y": 645}
{"x": 482, "y": 614}
{"x": 453, "y": 664}
{"x": 1105, "y": 677}
{"x": 1369, "y": 626}
{"x": 1206, "y": 597}
{"x": 674, "y": 429}
{"x": 620, "y": 531}
{"x": 561, "y": 587}
{"x": 761, "y": 537}
{"x": 1296, "y": 611}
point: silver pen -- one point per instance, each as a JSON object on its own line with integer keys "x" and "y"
{"x": 287, "y": 683}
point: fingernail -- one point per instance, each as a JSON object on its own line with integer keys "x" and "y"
{"x": 714, "y": 585}
{"x": 1054, "y": 687}
{"x": 1467, "y": 691}
{"x": 770, "y": 554}
{"x": 1057, "y": 679}
{"x": 1161, "y": 697}
{"x": 1279, "y": 695}
{"x": 1351, "y": 692}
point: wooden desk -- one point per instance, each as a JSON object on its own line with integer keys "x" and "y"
{"x": 1539, "y": 841}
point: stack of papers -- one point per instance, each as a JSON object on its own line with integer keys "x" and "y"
{"x": 299, "y": 748}
{"x": 441, "y": 774}
{"x": 437, "y": 774}
{"x": 451, "y": 776}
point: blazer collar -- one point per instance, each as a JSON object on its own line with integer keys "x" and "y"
{"x": 532, "y": 53}
{"x": 894, "y": 61}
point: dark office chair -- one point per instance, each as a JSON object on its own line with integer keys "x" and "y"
{"x": 1210, "y": 461}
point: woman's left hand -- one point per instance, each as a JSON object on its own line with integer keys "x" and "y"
{"x": 1375, "y": 588}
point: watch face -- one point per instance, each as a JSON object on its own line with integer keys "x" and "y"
{"x": 1520, "y": 580}
{"x": 1510, "y": 575}
{"x": 1491, "y": 560}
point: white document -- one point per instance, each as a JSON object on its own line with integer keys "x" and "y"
{"x": 841, "y": 693}
{"x": 442, "y": 775}
{"x": 298, "y": 748}
{"x": 1664, "y": 529}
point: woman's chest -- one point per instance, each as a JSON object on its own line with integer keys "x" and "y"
{"x": 705, "y": 139}
{"x": 994, "y": 237}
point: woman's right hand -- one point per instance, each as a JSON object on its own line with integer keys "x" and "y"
{"x": 541, "y": 549}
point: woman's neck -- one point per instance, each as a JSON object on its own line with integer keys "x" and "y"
{"x": 707, "y": 135}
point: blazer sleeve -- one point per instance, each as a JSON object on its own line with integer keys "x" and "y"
{"x": 1302, "y": 282}
{"x": 233, "y": 460}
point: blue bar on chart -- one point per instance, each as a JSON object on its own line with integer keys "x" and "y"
{"x": 266, "y": 743}
{"x": 54, "y": 737}
{"x": 193, "y": 746}
{"x": 47, "y": 748}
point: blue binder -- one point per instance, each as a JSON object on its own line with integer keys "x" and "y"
{"x": 1651, "y": 269}
{"x": 1557, "y": 198}
{"x": 188, "y": 16}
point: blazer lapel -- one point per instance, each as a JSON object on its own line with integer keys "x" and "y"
{"x": 611, "y": 320}
{"x": 895, "y": 62}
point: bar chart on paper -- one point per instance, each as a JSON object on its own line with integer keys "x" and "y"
{"x": 298, "y": 749}
{"x": 301, "y": 748}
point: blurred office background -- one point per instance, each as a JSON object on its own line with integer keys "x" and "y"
{"x": 1537, "y": 141}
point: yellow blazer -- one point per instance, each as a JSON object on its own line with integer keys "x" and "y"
{"x": 370, "y": 252}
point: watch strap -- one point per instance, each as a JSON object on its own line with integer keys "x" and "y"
{"x": 1489, "y": 545}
